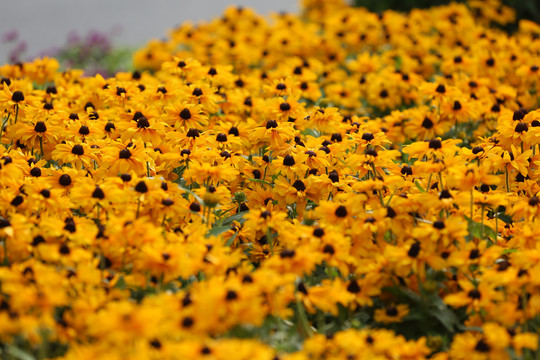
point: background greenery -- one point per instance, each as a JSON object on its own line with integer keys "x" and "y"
{"x": 525, "y": 9}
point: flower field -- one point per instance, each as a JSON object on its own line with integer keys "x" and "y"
{"x": 337, "y": 184}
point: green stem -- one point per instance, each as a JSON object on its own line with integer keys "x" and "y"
{"x": 44, "y": 348}
{"x": 6, "y": 260}
{"x": 98, "y": 213}
{"x": 391, "y": 196}
{"x": 429, "y": 182}
{"x": 507, "y": 180}
{"x": 3, "y": 127}
{"x": 160, "y": 284}
{"x": 482, "y": 221}
{"x": 163, "y": 221}
{"x": 381, "y": 199}
{"x": 496, "y": 226}
{"x": 147, "y": 165}
{"x": 16, "y": 113}
{"x": 270, "y": 240}
{"x": 41, "y": 147}
{"x": 205, "y": 215}
{"x": 320, "y": 322}
{"x": 472, "y": 203}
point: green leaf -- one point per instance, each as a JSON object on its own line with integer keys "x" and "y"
{"x": 399, "y": 62}
{"x": 419, "y": 186}
{"x": 218, "y": 230}
{"x": 231, "y": 239}
{"x": 311, "y": 132}
{"x": 236, "y": 217}
{"x": 262, "y": 182}
{"x": 404, "y": 292}
{"x": 18, "y": 353}
{"x": 444, "y": 314}
{"x": 121, "y": 283}
{"x": 504, "y": 217}
{"x": 480, "y": 231}
{"x": 197, "y": 197}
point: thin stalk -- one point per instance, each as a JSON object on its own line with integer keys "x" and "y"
{"x": 496, "y": 226}
{"x": 160, "y": 283}
{"x": 472, "y": 203}
{"x": 507, "y": 180}
{"x": 391, "y": 196}
{"x": 429, "y": 182}
{"x": 98, "y": 212}
{"x": 320, "y": 322}
{"x": 41, "y": 147}
{"x": 482, "y": 221}
{"x": 163, "y": 221}
{"x": 270, "y": 241}
{"x": 6, "y": 259}
{"x": 374, "y": 178}
{"x": 44, "y": 347}
{"x": 3, "y": 126}
{"x": 206, "y": 214}
{"x": 16, "y": 113}
{"x": 147, "y": 165}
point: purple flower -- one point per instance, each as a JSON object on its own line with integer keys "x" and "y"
{"x": 73, "y": 39}
{"x": 98, "y": 40}
{"x": 50, "y": 52}
{"x": 10, "y": 36}
{"x": 15, "y": 54}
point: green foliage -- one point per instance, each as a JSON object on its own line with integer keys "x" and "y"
{"x": 398, "y": 5}
{"x": 525, "y": 9}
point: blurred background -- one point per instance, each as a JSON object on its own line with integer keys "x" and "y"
{"x": 33, "y": 28}
{"x": 101, "y": 35}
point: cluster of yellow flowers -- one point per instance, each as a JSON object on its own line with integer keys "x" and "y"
{"x": 332, "y": 185}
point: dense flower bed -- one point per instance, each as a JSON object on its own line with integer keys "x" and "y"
{"x": 335, "y": 185}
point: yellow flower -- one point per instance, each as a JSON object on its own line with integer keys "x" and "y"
{"x": 118, "y": 158}
{"x": 81, "y": 155}
{"x": 391, "y": 314}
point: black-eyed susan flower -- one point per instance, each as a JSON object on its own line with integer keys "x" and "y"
{"x": 119, "y": 158}
{"x": 80, "y": 154}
